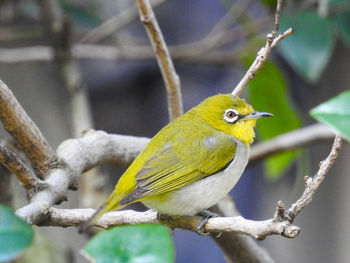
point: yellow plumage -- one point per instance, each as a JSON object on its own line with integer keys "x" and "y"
{"x": 195, "y": 146}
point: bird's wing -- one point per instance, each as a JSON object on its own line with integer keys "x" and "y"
{"x": 181, "y": 164}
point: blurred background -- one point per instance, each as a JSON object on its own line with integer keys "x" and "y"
{"x": 114, "y": 84}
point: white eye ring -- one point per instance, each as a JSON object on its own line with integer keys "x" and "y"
{"x": 231, "y": 115}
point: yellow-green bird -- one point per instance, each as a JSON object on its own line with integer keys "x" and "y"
{"x": 191, "y": 163}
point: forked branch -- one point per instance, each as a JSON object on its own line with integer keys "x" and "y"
{"x": 280, "y": 224}
{"x": 19, "y": 125}
{"x": 271, "y": 41}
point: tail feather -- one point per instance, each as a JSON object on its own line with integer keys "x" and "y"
{"x": 111, "y": 204}
{"x": 84, "y": 227}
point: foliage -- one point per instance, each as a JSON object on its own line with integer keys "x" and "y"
{"x": 309, "y": 48}
{"x": 132, "y": 244}
{"x": 15, "y": 234}
{"x": 268, "y": 92}
{"x": 335, "y": 113}
{"x": 342, "y": 18}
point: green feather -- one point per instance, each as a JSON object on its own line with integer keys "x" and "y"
{"x": 193, "y": 146}
{"x": 181, "y": 161}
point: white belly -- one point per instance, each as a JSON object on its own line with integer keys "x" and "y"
{"x": 200, "y": 195}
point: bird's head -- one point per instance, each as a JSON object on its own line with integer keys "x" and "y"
{"x": 230, "y": 115}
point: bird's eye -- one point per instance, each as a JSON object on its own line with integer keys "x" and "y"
{"x": 230, "y": 115}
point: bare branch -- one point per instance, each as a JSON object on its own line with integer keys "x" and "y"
{"x": 18, "y": 124}
{"x": 76, "y": 156}
{"x": 258, "y": 63}
{"x": 114, "y": 24}
{"x": 312, "y": 183}
{"x": 291, "y": 140}
{"x": 280, "y": 224}
{"x": 235, "y": 12}
{"x": 14, "y": 164}
{"x": 203, "y": 51}
{"x": 238, "y": 224}
{"x": 95, "y": 147}
{"x": 277, "y": 18}
{"x": 171, "y": 79}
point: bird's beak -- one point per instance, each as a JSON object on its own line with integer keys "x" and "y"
{"x": 257, "y": 115}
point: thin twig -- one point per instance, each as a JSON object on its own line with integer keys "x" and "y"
{"x": 313, "y": 183}
{"x": 170, "y": 77}
{"x": 258, "y": 63}
{"x": 18, "y": 124}
{"x": 232, "y": 15}
{"x": 114, "y": 24}
{"x": 203, "y": 51}
{"x": 277, "y": 18}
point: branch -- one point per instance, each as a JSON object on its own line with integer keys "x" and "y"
{"x": 263, "y": 53}
{"x": 238, "y": 224}
{"x": 196, "y": 51}
{"x": 16, "y": 166}
{"x": 280, "y": 224}
{"x": 291, "y": 140}
{"x": 114, "y": 24}
{"x": 76, "y": 156}
{"x": 18, "y": 124}
{"x": 232, "y": 15}
{"x": 312, "y": 183}
{"x": 171, "y": 79}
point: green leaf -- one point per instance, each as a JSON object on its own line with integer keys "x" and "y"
{"x": 132, "y": 244}
{"x": 309, "y": 48}
{"x": 270, "y": 3}
{"x": 341, "y": 16}
{"x": 335, "y": 113}
{"x": 15, "y": 234}
{"x": 267, "y": 92}
{"x": 343, "y": 23}
{"x": 82, "y": 16}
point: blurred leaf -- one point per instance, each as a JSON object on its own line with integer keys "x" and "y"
{"x": 267, "y": 92}
{"x": 343, "y": 23}
{"x": 82, "y": 16}
{"x": 270, "y": 3}
{"x": 309, "y": 48}
{"x": 132, "y": 244}
{"x": 341, "y": 14}
{"x": 15, "y": 234}
{"x": 335, "y": 113}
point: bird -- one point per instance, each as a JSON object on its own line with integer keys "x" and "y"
{"x": 191, "y": 163}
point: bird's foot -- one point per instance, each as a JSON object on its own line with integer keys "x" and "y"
{"x": 205, "y": 214}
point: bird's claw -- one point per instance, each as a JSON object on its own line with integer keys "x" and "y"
{"x": 205, "y": 214}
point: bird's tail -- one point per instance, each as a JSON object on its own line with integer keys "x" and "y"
{"x": 93, "y": 219}
{"x": 111, "y": 204}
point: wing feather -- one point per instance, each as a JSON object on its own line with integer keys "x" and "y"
{"x": 181, "y": 164}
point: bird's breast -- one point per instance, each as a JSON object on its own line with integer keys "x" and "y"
{"x": 202, "y": 194}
